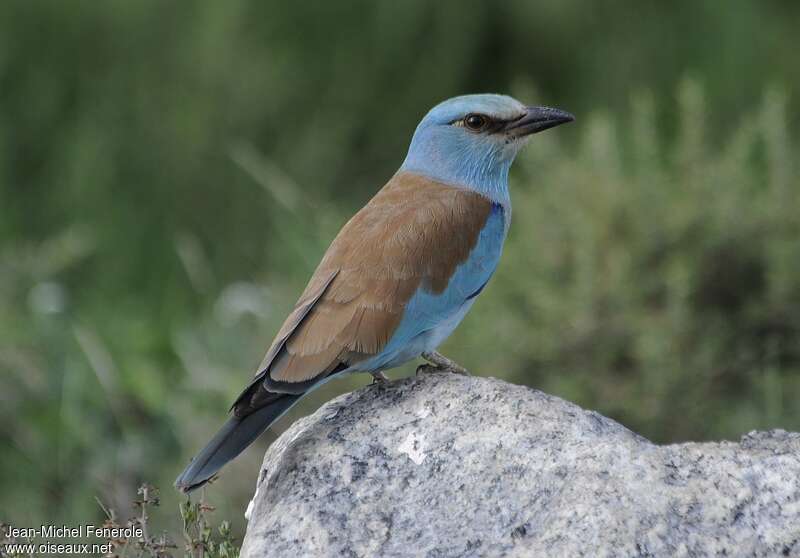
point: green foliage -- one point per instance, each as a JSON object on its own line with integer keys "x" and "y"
{"x": 201, "y": 541}
{"x": 170, "y": 174}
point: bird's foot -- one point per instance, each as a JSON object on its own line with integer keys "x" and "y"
{"x": 379, "y": 378}
{"x": 440, "y": 363}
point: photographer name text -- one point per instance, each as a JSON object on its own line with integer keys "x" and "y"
{"x": 77, "y": 532}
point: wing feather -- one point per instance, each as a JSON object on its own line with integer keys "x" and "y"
{"x": 413, "y": 234}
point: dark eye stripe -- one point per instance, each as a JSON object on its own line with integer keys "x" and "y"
{"x": 490, "y": 125}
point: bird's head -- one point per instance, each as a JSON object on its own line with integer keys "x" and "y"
{"x": 472, "y": 140}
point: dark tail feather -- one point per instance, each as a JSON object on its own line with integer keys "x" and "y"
{"x": 234, "y": 436}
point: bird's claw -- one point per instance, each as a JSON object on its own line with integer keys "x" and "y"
{"x": 440, "y": 363}
{"x": 428, "y": 369}
{"x": 379, "y": 378}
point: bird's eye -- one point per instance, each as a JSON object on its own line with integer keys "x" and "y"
{"x": 475, "y": 122}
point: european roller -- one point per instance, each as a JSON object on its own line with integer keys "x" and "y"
{"x": 403, "y": 271}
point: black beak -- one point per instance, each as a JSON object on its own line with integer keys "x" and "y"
{"x": 538, "y": 119}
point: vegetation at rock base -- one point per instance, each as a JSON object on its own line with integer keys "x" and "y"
{"x": 139, "y": 538}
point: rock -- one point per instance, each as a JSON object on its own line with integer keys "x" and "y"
{"x": 445, "y": 465}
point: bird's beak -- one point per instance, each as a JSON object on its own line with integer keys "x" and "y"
{"x": 538, "y": 119}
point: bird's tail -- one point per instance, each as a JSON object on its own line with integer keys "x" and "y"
{"x": 234, "y": 436}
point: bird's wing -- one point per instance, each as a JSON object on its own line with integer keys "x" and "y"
{"x": 411, "y": 237}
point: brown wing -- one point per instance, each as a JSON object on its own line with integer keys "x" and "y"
{"x": 413, "y": 233}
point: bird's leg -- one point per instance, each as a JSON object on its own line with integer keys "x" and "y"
{"x": 379, "y": 378}
{"x": 440, "y": 363}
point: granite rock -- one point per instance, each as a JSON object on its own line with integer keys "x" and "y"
{"x": 444, "y": 465}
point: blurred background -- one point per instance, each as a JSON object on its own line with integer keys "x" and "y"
{"x": 171, "y": 173}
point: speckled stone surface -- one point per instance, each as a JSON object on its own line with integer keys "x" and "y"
{"x": 444, "y": 465}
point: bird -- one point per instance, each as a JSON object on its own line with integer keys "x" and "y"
{"x": 402, "y": 272}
